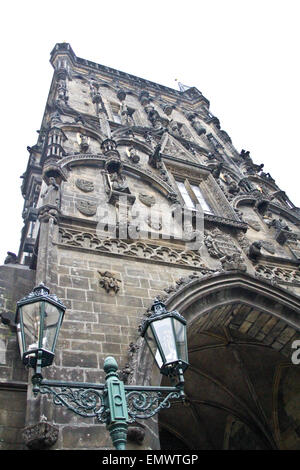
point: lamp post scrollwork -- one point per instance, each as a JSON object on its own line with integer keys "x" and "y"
{"x": 39, "y": 317}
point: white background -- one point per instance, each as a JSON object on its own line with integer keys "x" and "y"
{"x": 243, "y": 55}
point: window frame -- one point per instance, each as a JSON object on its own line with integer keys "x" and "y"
{"x": 189, "y": 184}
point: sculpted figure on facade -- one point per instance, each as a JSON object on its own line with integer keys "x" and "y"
{"x": 197, "y": 125}
{"x": 233, "y": 261}
{"x": 232, "y": 186}
{"x": 155, "y": 158}
{"x": 84, "y": 142}
{"x": 119, "y": 182}
{"x": 126, "y": 118}
{"x": 51, "y": 195}
{"x": 11, "y": 258}
{"x": 255, "y": 251}
{"x": 133, "y": 155}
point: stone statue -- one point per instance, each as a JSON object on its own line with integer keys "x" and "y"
{"x": 245, "y": 154}
{"x": 155, "y": 158}
{"x": 126, "y": 118}
{"x": 11, "y": 258}
{"x": 278, "y": 224}
{"x": 216, "y": 171}
{"x": 84, "y": 143}
{"x": 133, "y": 155}
{"x": 254, "y": 250}
{"x": 52, "y": 193}
{"x": 118, "y": 182}
{"x": 196, "y": 123}
{"x": 232, "y": 185}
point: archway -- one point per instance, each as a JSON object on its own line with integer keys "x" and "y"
{"x": 242, "y": 387}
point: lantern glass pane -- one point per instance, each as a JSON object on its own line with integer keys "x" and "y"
{"x": 51, "y": 322}
{"x": 31, "y": 323}
{"x": 153, "y": 346}
{"x": 164, "y": 332}
{"x": 180, "y": 334}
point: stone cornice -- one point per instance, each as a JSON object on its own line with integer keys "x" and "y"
{"x": 192, "y": 95}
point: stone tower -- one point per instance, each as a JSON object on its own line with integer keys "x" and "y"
{"x": 119, "y": 163}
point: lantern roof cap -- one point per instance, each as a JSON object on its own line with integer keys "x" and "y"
{"x": 41, "y": 292}
{"x": 159, "y": 312}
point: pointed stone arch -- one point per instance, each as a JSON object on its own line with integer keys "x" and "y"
{"x": 240, "y": 331}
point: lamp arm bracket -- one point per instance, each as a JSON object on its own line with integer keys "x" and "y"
{"x": 88, "y": 399}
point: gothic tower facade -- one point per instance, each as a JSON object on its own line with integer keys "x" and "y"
{"x": 133, "y": 191}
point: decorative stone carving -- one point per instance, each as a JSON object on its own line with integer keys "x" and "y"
{"x": 40, "y": 436}
{"x": 51, "y": 195}
{"x": 150, "y": 139}
{"x": 126, "y": 374}
{"x": 275, "y": 274}
{"x": 119, "y": 182}
{"x": 216, "y": 170}
{"x": 118, "y": 190}
{"x": 121, "y": 95}
{"x": 83, "y": 141}
{"x": 84, "y": 185}
{"x": 183, "y": 282}
{"x": 136, "y": 249}
{"x": 233, "y": 262}
{"x": 11, "y": 258}
{"x": 252, "y": 223}
{"x": 47, "y": 213}
{"x": 255, "y": 250}
{"x": 196, "y": 123}
{"x": 133, "y": 156}
{"x": 155, "y": 224}
{"x": 136, "y": 433}
{"x": 109, "y": 282}
{"x": 147, "y": 199}
{"x": 282, "y": 231}
{"x": 232, "y": 186}
{"x": 126, "y": 117}
{"x": 86, "y": 207}
{"x": 8, "y": 319}
{"x": 155, "y": 158}
{"x": 220, "y": 244}
{"x": 62, "y": 95}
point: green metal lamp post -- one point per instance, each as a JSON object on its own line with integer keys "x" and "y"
{"x": 39, "y": 317}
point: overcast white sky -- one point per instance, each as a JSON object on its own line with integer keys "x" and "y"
{"x": 243, "y": 55}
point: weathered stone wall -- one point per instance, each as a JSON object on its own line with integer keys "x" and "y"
{"x": 15, "y": 282}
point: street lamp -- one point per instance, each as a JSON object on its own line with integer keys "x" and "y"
{"x": 165, "y": 334}
{"x": 39, "y": 317}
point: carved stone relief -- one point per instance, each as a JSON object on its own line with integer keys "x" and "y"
{"x": 84, "y": 185}
{"x": 147, "y": 199}
{"x": 40, "y": 436}
{"x": 86, "y": 207}
{"x": 83, "y": 142}
{"x": 136, "y": 249}
{"x": 109, "y": 282}
{"x": 155, "y": 224}
{"x": 219, "y": 244}
{"x": 277, "y": 274}
{"x": 222, "y": 247}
